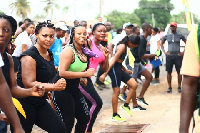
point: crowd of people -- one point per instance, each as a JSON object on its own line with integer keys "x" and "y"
{"x": 46, "y": 72}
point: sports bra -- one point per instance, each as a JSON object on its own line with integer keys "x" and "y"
{"x": 77, "y": 65}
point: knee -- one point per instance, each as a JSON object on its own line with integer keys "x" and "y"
{"x": 133, "y": 85}
{"x": 99, "y": 104}
{"x": 60, "y": 128}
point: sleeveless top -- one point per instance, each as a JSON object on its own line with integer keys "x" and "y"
{"x": 6, "y": 68}
{"x": 45, "y": 72}
{"x": 77, "y": 65}
{"x": 123, "y": 55}
{"x": 94, "y": 62}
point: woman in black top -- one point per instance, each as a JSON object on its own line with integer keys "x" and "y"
{"x": 8, "y": 27}
{"x": 117, "y": 75}
{"x": 37, "y": 67}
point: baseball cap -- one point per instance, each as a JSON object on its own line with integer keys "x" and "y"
{"x": 173, "y": 24}
{"x": 127, "y": 25}
{"x": 62, "y": 26}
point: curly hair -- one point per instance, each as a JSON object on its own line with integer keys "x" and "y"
{"x": 12, "y": 22}
{"x": 43, "y": 24}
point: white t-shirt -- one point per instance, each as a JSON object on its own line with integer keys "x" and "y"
{"x": 117, "y": 39}
{"x": 153, "y": 43}
{"x": 22, "y": 38}
{"x": 1, "y": 61}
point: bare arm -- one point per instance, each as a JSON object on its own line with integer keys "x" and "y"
{"x": 18, "y": 91}
{"x": 105, "y": 63}
{"x": 188, "y": 101}
{"x": 110, "y": 48}
{"x": 120, "y": 50}
{"x": 66, "y": 58}
{"x": 158, "y": 45}
{"x": 28, "y": 66}
{"x": 7, "y": 106}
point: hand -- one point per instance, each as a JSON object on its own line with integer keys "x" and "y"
{"x": 38, "y": 91}
{"x": 180, "y": 53}
{"x": 90, "y": 72}
{"x": 156, "y": 57}
{"x": 83, "y": 81}
{"x": 49, "y": 96}
{"x": 129, "y": 71}
{"x": 4, "y": 118}
{"x": 167, "y": 53}
{"x": 102, "y": 78}
{"x": 106, "y": 52}
{"x": 60, "y": 85}
{"x": 158, "y": 53}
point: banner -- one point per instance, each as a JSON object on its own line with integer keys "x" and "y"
{"x": 187, "y": 14}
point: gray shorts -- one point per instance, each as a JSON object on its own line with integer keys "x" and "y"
{"x": 138, "y": 68}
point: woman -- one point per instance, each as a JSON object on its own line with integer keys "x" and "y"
{"x": 155, "y": 46}
{"x": 8, "y": 25}
{"x": 22, "y": 42}
{"x": 117, "y": 75}
{"x": 92, "y": 97}
{"x": 37, "y": 67}
{"x": 70, "y": 102}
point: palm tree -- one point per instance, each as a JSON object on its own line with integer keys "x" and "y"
{"x": 22, "y": 8}
{"x": 49, "y": 7}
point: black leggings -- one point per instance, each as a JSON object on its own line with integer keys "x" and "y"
{"x": 70, "y": 106}
{"x": 41, "y": 115}
{"x": 99, "y": 73}
{"x": 93, "y": 100}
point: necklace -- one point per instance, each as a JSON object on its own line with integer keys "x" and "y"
{"x": 81, "y": 56}
{"x": 98, "y": 46}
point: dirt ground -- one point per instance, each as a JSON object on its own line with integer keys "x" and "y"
{"x": 162, "y": 115}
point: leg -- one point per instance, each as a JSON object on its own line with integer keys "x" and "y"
{"x": 116, "y": 91}
{"x": 99, "y": 73}
{"x": 65, "y": 106}
{"x": 188, "y": 101}
{"x": 28, "y": 122}
{"x": 48, "y": 119}
{"x": 178, "y": 64}
{"x": 146, "y": 84}
{"x": 179, "y": 79}
{"x": 93, "y": 99}
{"x": 169, "y": 78}
{"x": 169, "y": 66}
{"x": 82, "y": 113}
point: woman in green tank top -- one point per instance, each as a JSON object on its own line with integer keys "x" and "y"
{"x": 70, "y": 102}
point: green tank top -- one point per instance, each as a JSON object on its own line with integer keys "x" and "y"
{"x": 77, "y": 65}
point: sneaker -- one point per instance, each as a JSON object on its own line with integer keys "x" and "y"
{"x": 121, "y": 97}
{"x": 98, "y": 86}
{"x": 138, "y": 108}
{"x": 118, "y": 118}
{"x": 169, "y": 90}
{"x": 142, "y": 101}
{"x": 157, "y": 82}
{"x": 179, "y": 89}
{"x": 126, "y": 110}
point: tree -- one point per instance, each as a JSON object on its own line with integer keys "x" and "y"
{"x": 22, "y": 8}
{"x": 180, "y": 18}
{"x": 155, "y": 10}
{"x": 119, "y": 18}
{"x": 1, "y": 12}
{"x": 49, "y": 7}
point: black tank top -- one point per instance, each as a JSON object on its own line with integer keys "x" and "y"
{"x": 123, "y": 55}
{"x": 6, "y": 68}
{"x": 45, "y": 72}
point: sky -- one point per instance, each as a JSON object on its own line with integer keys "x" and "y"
{"x": 89, "y": 9}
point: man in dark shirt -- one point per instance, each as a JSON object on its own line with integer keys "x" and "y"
{"x": 140, "y": 53}
{"x": 173, "y": 54}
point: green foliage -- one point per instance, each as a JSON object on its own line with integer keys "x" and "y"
{"x": 1, "y": 12}
{"x": 180, "y": 18}
{"x": 159, "y": 10}
{"x": 51, "y": 4}
{"x": 119, "y": 18}
{"x": 21, "y": 8}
